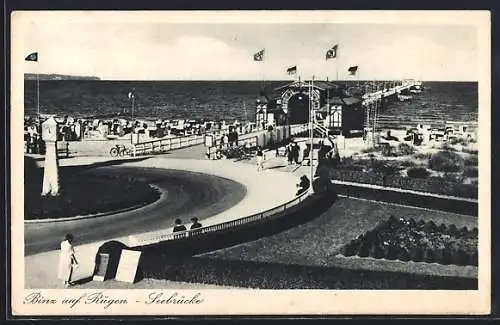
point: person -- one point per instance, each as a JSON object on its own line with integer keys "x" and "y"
{"x": 303, "y": 185}
{"x": 289, "y": 152}
{"x": 179, "y": 226}
{"x": 67, "y": 260}
{"x": 195, "y": 224}
{"x": 390, "y": 137}
{"x": 295, "y": 152}
{"x": 260, "y": 159}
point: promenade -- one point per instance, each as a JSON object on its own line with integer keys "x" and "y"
{"x": 265, "y": 190}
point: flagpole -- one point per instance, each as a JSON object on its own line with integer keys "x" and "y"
{"x": 337, "y": 68}
{"x": 133, "y": 98}
{"x": 38, "y": 98}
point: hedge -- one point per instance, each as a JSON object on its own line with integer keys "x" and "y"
{"x": 429, "y": 185}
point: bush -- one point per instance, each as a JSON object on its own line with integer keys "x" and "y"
{"x": 370, "y": 149}
{"x": 446, "y": 161}
{"x": 383, "y": 167}
{"x": 471, "y": 172}
{"x": 421, "y": 155}
{"x": 418, "y": 172}
{"x": 405, "y": 149}
{"x": 407, "y": 163}
{"x": 470, "y": 151}
{"x": 448, "y": 147}
{"x": 471, "y": 161}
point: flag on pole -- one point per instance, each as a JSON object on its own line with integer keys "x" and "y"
{"x": 292, "y": 70}
{"x": 259, "y": 56}
{"x": 332, "y": 53}
{"x": 131, "y": 94}
{"x": 32, "y": 57}
{"x": 352, "y": 70}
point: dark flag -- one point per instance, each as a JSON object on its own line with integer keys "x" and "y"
{"x": 32, "y": 57}
{"x": 259, "y": 56}
{"x": 292, "y": 70}
{"x": 353, "y": 70}
{"x": 131, "y": 94}
{"x": 332, "y": 53}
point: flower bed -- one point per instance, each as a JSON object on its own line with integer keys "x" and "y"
{"x": 84, "y": 194}
{"x": 409, "y": 240}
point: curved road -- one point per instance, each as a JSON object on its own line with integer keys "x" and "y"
{"x": 188, "y": 194}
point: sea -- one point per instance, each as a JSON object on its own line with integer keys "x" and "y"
{"x": 228, "y": 100}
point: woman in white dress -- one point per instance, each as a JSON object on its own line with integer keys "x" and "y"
{"x": 67, "y": 260}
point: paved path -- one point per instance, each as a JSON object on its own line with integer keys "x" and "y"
{"x": 265, "y": 190}
{"x": 184, "y": 195}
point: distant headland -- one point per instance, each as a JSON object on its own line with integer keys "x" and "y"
{"x": 42, "y": 76}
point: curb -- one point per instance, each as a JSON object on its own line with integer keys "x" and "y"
{"x": 409, "y": 267}
{"x": 101, "y": 214}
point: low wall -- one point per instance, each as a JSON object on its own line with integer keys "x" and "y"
{"x": 408, "y": 197}
{"x": 228, "y": 226}
{"x": 224, "y": 237}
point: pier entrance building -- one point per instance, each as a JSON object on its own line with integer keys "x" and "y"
{"x": 333, "y": 108}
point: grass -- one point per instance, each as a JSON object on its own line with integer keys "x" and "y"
{"x": 83, "y": 193}
{"x": 302, "y": 257}
{"x": 447, "y": 168}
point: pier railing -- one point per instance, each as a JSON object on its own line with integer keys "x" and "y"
{"x": 164, "y": 145}
{"x": 279, "y": 211}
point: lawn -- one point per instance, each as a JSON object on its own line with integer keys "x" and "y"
{"x": 304, "y": 256}
{"x": 83, "y": 193}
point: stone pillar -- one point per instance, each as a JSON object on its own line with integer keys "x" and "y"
{"x": 51, "y": 167}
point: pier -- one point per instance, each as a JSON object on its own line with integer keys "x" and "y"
{"x": 373, "y": 97}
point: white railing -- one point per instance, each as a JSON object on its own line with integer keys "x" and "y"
{"x": 164, "y": 145}
{"x": 298, "y": 128}
{"x": 274, "y": 213}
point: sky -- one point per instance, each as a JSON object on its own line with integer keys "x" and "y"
{"x": 123, "y": 48}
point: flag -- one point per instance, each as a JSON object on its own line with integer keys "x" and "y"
{"x": 292, "y": 70}
{"x": 353, "y": 70}
{"x": 259, "y": 56}
{"x": 332, "y": 53}
{"x": 131, "y": 94}
{"x": 32, "y": 57}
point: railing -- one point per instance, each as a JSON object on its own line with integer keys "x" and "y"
{"x": 164, "y": 145}
{"x": 265, "y": 215}
{"x": 298, "y": 128}
{"x": 372, "y": 97}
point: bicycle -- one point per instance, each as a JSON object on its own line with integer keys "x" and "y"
{"x": 120, "y": 150}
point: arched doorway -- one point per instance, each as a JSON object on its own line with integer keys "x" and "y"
{"x": 298, "y": 109}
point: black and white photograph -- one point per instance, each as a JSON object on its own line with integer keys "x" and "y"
{"x": 250, "y": 162}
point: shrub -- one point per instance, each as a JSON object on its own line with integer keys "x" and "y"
{"x": 407, "y": 163}
{"x": 453, "y": 178}
{"x": 448, "y": 147}
{"x": 405, "y": 149}
{"x": 446, "y": 161}
{"x": 418, "y": 172}
{"x": 470, "y": 151}
{"x": 422, "y": 155}
{"x": 383, "y": 167}
{"x": 471, "y": 161}
{"x": 470, "y": 171}
{"x": 370, "y": 149}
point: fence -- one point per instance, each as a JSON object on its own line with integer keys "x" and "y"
{"x": 273, "y": 213}
{"x": 164, "y": 145}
